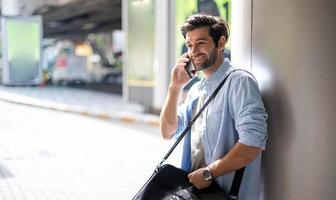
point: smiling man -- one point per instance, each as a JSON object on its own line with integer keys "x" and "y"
{"x": 231, "y": 132}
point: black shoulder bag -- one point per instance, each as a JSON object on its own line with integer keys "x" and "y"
{"x": 170, "y": 183}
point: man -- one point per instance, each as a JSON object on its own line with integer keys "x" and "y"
{"x": 231, "y": 132}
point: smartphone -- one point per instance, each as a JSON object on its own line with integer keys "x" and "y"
{"x": 190, "y": 69}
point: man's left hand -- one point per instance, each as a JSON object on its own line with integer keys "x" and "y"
{"x": 197, "y": 179}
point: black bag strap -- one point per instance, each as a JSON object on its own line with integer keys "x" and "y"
{"x": 233, "y": 194}
{"x": 235, "y": 186}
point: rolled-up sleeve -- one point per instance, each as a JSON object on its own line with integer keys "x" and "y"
{"x": 248, "y": 111}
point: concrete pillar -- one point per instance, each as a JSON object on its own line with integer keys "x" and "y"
{"x": 151, "y": 97}
{"x": 161, "y": 63}
{"x": 125, "y": 86}
{"x": 241, "y": 34}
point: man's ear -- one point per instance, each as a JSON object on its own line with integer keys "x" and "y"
{"x": 222, "y": 43}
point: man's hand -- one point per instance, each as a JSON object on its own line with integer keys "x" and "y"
{"x": 179, "y": 75}
{"x": 197, "y": 179}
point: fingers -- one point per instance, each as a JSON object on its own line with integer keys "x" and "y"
{"x": 183, "y": 60}
{"x": 180, "y": 72}
{"x": 185, "y": 55}
{"x": 196, "y": 178}
{"x": 181, "y": 63}
{"x": 179, "y": 75}
{"x": 190, "y": 175}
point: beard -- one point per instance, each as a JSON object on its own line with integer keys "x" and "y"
{"x": 210, "y": 59}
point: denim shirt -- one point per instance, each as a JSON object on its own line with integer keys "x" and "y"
{"x": 236, "y": 114}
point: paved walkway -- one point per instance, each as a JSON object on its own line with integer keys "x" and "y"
{"x": 89, "y": 103}
{"x": 81, "y": 165}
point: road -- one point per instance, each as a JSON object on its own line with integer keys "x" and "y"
{"x": 51, "y": 155}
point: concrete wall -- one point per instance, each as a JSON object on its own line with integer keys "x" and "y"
{"x": 293, "y": 54}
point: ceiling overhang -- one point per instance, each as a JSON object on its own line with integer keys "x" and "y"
{"x": 80, "y": 17}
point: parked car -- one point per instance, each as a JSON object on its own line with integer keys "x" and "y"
{"x": 70, "y": 69}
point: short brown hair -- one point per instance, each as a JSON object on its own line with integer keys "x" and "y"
{"x": 217, "y": 26}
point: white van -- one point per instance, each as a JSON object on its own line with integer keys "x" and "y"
{"x": 70, "y": 69}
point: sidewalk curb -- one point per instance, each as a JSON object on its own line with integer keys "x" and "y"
{"x": 129, "y": 118}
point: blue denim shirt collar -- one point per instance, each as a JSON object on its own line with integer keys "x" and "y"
{"x": 211, "y": 82}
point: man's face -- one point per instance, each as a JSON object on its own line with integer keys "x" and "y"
{"x": 201, "y": 48}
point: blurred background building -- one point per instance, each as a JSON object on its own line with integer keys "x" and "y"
{"x": 132, "y": 45}
{"x": 81, "y": 42}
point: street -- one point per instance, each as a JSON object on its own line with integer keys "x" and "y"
{"x": 52, "y": 155}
